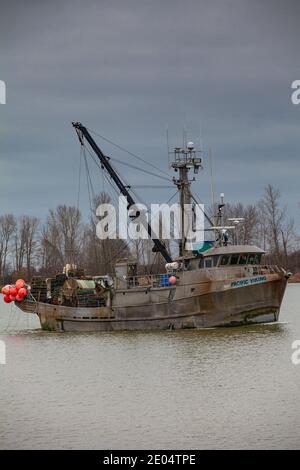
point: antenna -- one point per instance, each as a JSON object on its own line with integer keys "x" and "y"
{"x": 236, "y": 221}
{"x": 220, "y": 212}
{"x": 184, "y": 132}
{"x": 212, "y": 188}
{"x": 168, "y": 149}
{"x": 201, "y": 138}
{"x": 186, "y": 160}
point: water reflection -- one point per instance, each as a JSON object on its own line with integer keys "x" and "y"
{"x": 223, "y": 387}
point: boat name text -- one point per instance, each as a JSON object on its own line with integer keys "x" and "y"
{"x": 249, "y": 281}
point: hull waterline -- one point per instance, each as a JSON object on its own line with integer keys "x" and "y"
{"x": 258, "y": 303}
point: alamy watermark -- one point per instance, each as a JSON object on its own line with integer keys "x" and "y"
{"x": 138, "y": 222}
{"x": 295, "y": 96}
{"x": 295, "y": 358}
{"x": 2, "y": 352}
{"x": 2, "y": 92}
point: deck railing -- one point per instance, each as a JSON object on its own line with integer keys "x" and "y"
{"x": 266, "y": 269}
{"x": 162, "y": 280}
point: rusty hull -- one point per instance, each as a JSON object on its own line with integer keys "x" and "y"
{"x": 196, "y": 302}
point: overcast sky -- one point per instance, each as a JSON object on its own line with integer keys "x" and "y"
{"x": 128, "y": 69}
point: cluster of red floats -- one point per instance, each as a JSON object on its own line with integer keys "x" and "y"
{"x": 16, "y": 292}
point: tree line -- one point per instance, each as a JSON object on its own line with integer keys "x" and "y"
{"x": 29, "y": 246}
{"x": 268, "y": 225}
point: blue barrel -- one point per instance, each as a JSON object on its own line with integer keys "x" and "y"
{"x": 164, "y": 280}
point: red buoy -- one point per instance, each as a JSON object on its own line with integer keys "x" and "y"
{"x": 5, "y": 290}
{"x": 172, "y": 280}
{"x": 12, "y": 298}
{"x": 19, "y": 298}
{"x": 7, "y": 299}
{"x": 13, "y": 291}
{"x": 22, "y": 292}
{"x": 20, "y": 283}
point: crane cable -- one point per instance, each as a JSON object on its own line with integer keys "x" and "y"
{"x": 91, "y": 191}
{"x": 140, "y": 169}
{"x": 90, "y": 186}
{"x": 129, "y": 187}
{"x": 79, "y": 177}
{"x": 104, "y": 175}
{"x": 127, "y": 151}
{"x": 204, "y": 213}
{"x": 128, "y": 165}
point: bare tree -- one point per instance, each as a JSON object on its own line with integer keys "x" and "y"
{"x": 25, "y": 243}
{"x": 101, "y": 255}
{"x": 62, "y": 238}
{"x": 288, "y": 237}
{"x": 19, "y": 246}
{"x": 52, "y": 259}
{"x": 65, "y": 238}
{"x": 7, "y": 229}
{"x": 246, "y": 232}
{"x": 30, "y": 227}
{"x": 273, "y": 215}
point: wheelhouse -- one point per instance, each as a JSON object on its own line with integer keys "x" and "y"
{"x": 225, "y": 257}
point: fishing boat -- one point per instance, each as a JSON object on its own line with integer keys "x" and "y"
{"x": 211, "y": 284}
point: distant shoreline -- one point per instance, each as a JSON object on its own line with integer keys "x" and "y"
{"x": 295, "y": 278}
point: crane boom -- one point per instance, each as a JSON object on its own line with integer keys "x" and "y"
{"x": 82, "y": 132}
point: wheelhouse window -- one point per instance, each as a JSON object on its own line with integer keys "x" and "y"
{"x": 208, "y": 263}
{"x": 257, "y": 259}
{"x": 243, "y": 259}
{"x": 215, "y": 260}
{"x": 234, "y": 259}
{"x": 187, "y": 264}
{"x": 224, "y": 260}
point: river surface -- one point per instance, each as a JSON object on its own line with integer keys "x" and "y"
{"x": 217, "y": 388}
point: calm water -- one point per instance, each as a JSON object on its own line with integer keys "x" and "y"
{"x": 219, "y": 388}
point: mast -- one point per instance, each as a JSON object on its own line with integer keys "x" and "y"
{"x": 82, "y": 132}
{"x": 185, "y": 159}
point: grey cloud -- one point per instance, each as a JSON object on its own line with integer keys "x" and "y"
{"x": 129, "y": 68}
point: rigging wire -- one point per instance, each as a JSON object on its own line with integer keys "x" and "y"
{"x": 204, "y": 213}
{"x": 104, "y": 175}
{"x": 127, "y": 151}
{"x": 79, "y": 176}
{"x": 91, "y": 194}
{"x": 89, "y": 184}
{"x": 122, "y": 248}
{"x": 110, "y": 182}
{"x": 139, "y": 169}
{"x": 129, "y": 187}
{"x": 150, "y": 186}
{"x": 106, "y": 178}
{"x": 114, "y": 194}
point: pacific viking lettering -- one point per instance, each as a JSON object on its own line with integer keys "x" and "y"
{"x": 247, "y": 282}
